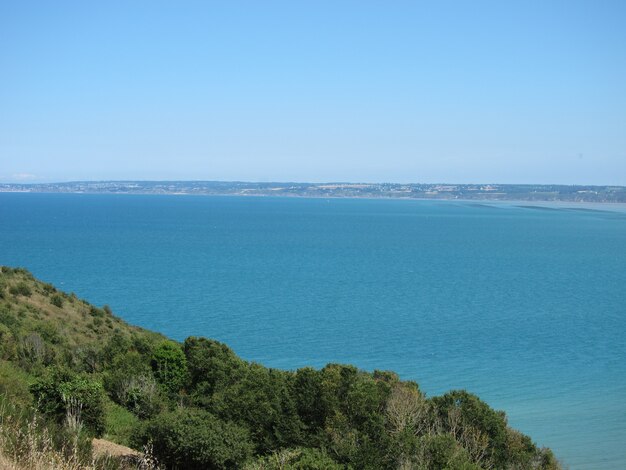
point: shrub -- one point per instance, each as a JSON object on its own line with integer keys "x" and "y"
{"x": 170, "y": 366}
{"x": 131, "y": 384}
{"x": 461, "y": 412}
{"x": 117, "y": 345}
{"x": 439, "y": 451}
{"x": 8, "y": 346}
{"x": 57, "y": 300}
{"x": 49, "y": 331}
{"x": 195, "y": 439}
{"x": 13, "y": 385}
{"x": 84, "y": 358}
{"x": 32, "y": 350}
{"x": 53, "y": 392}
{"x": 261, "y": 400}
{"x": 96, "y": 312}
{"x": 295, "y": 459}
{"x": 21, "y": 288}
{"x": 48, "y": 288}
{"x": 28, "y": 442}
{"x": 120, "y": 424}
{"x": 212, "y": 365}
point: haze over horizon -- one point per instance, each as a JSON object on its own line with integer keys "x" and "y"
{"x": 28, "y": 180}
{"x": 461, "y": 92}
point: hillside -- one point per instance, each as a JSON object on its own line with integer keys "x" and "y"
{"x": 77, "y": 371}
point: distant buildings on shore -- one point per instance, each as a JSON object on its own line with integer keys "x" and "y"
{"x": 494, "y": 192}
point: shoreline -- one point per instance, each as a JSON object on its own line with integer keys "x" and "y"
{"x": 614, "y": 206}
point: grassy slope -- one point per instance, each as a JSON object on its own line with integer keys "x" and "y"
{"x": 67, "y": 326}
{"x": 70, "y": 323}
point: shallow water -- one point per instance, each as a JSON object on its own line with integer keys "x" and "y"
{"x": 525, "y": 307}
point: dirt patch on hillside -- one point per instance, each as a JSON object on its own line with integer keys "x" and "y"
{"x": 102, "y": 448}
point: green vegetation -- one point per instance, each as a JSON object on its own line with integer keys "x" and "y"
{"x": 80, "y": 372}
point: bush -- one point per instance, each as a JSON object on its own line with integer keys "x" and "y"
{"x": 195, "y": 440}
{"x": 14, "y": 385}
{"x": 56, "y": 300}
{"x": 48, "y": 288}
{"x": 53, "y": 394}
{"x": 170, "y": 366}
{"x": 474, "y": 416}
{"x": 295, "y": 459}
{"x": 8, "y": 346}
{"x": 116, "y": 346}
{"x": 213, "y": 366}
{"x": 120, "y": 424}
{"x": 131, "y": 384}
{"x": 21, "y": 288}
{"x": 33, "y": 351}
{"x": 261, "y": 400}
{"x": 96, "y": 312}
{"x": 441, "y": 451}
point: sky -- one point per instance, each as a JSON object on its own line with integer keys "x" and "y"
{"x": 362, "y": 91}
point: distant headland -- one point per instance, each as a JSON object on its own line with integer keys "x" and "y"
{"x": 483, "y": 192}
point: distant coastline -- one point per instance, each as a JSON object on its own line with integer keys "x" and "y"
{"x": 532, "y": 193}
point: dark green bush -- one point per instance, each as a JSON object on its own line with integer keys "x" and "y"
{"x": 57, "y": 300}
{"x": 116, "y": 346}
{"x": 96, "y": 312}
{"x": 261, "y": 400}
{"x": 196, "y": 440}
{"x": 212, "y": 365}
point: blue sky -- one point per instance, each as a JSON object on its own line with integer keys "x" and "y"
{"x": 502, "y": 91}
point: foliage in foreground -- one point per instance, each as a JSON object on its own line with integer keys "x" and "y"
{"x": 28, "y": 442}
{"x": 87, "y": 373}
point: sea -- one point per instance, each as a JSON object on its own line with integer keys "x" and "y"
{"x": 521, "y": 304}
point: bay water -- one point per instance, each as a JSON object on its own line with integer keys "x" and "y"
{"x": 523, "y": 305}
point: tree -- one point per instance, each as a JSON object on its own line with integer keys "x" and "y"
{"x": 407, "y": 409}
{"x": 473, "y": 423}
{"x": 212, "y": 365}
{"x": 169, "y": 365}
{"x": 195, "y": 439}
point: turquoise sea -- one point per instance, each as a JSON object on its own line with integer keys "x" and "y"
{"x": 524, "y": 306}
